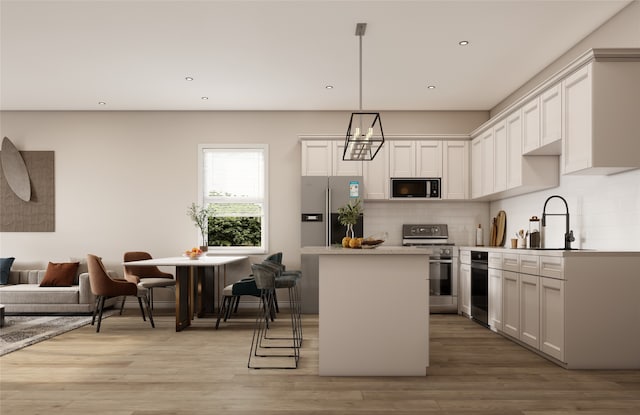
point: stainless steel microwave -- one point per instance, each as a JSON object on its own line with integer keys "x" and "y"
{"x": 415, "y": 188}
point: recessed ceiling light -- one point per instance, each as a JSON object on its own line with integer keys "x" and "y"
{"x": 188, "y": 78}
{"x": 463, "y": 43}
{"x": 102, "y": 103}
{"x": 329, "y": 86}
{"x": 204, "y": 98}
{"x": 431, "y": 87}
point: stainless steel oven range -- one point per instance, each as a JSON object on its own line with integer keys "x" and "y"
{"x": 443, "y": 264}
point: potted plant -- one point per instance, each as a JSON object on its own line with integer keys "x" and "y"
{"x": 349, "y": 214}
{"x": 200, "y": 215}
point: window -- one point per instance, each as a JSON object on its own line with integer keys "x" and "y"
{"x": 233, "y": 187}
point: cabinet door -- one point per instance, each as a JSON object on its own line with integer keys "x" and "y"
{"x": 530, "y": 310}
{"x": 531, "y": 126}
{"x": 495, "y": 299}
{"x": 500, "y": 155}
{"x": 465, "y": 289}
{"x": 577, "y": 145}
{"x": 487, "y": 162}
{"x": 429, "y": 162}
{"x": 402, "y": 158}
{"x": 316, "y": 158}
{"x": 552, "y": 317}
{"x": 510, "y": 304}
{"x": 476, "y": 168}
{"x": 455, "y": 170}
{"x": 551, "y": 115}
{"x": 514, "y": 150}
{"x": 341, "y": 167}
{"x": 376, "y": 176}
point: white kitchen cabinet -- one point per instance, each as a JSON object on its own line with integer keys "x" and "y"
{"x": 550, "y": 121}
{"x": 465, "y": 289}
{"x": 529, "y": 287}
{"x": 376, "y": 175}
{"x": 531, "y": 126}
{"x": 601, "y": 122}
{"x": 455, "y": 170}
{"x": 500, "y": 156}
{"x": 476, "y": 168}
{"x": 402, "y": 158}
{"x": 552, "y": 333}
{"x": 514, "y": 149}
{"x": 317, "y": 158}
{"x": 511, "y": 303}
{"x": 429, "y": 158}
{"x": 487, "y": 162}
{"x": 341, "y": 167}
{"x": 495, "y": 299}
{"x": 324, "y": 158}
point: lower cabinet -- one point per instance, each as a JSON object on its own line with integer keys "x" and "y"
{"x": 530, "y": 310}
{"x": 552, "y": 317}
{"x": 465, "y": 289}
{"x": 511, "y": 304}
{"x": 495, "y": 299}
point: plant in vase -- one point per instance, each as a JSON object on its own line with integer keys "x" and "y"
{"x": 200, "y": 216}
{"x": 348, "y": 216}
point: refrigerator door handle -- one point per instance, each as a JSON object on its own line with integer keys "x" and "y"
{"x": 327, "y": 228}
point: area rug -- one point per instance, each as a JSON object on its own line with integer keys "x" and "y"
{"x": 23, "y": 331}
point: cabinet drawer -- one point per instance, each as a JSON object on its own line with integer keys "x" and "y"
{"x": 465, "y": 257}
{"x": 510, "y": 262}
{"x": 530, "y": 264}
{"x": 495, "y": 260}
{"x": 551, "y": 266}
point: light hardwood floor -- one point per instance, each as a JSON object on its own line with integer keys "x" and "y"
{"x": 131, "y": 369}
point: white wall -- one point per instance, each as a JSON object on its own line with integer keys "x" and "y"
{"x": 124, "y": 180}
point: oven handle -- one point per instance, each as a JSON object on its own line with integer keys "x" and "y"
{"x": 441, "y": 261}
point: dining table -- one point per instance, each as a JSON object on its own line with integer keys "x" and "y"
{"x": 190, "y": 276}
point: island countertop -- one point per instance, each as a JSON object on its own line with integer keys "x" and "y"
{"x": 379, "y": 250}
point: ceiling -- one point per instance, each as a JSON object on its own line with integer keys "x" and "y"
{"x": 281, "y": 55}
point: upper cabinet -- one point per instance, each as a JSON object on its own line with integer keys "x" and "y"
{"x": 402, "y": 158}
{"x": 429, "y": 158}
{"x": 376, "y": 175}
{"x": 542, "y": 123}
{"x": 324, "y": 158}
{"x": 455, "y": 170}
{"x": 601, "y": 108}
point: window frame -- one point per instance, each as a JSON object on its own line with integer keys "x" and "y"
{"x": 265, "y": 222}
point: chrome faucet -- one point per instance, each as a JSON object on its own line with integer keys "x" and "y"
{"x": 568, "y": 234}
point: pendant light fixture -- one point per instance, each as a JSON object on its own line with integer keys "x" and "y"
{"x": 364, "y": 134}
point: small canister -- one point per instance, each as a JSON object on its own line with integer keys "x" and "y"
{"x": 534, "y": 232}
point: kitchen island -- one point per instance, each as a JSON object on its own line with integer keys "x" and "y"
{"x": 373, "y": 311}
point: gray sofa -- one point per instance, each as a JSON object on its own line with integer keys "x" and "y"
{"x": 24, "y": 295}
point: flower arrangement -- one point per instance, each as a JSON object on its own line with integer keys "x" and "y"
{"x": 200, "y": 216}
{"x": 349, "y": 214}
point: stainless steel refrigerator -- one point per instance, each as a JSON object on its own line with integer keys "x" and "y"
{"x": 321, "y": 198}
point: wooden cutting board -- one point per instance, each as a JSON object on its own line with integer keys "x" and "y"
{"x": 494, "y": 228}
{"x": 501, "y": 225}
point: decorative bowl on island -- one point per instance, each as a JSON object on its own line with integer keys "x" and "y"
{"x": 193, "y": 253}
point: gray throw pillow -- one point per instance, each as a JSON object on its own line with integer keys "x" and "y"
{"x": 5, "y": 267}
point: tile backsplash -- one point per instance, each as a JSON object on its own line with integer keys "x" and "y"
{"x": 604, "y": 214}
{"x": 604, "y": 211}
{"x": 462, "y": 218}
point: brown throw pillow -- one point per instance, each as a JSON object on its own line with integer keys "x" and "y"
{"x": 60, "y": 275}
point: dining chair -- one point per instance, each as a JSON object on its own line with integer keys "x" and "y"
{"x": 103, "y": 287}
{"x": 149, "y": 277}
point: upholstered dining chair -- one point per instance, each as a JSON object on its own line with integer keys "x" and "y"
{"x": 103, "y": 287}
{"x": 149, "y": 277}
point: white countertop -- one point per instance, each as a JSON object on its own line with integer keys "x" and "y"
{"x": 551, "y": 252}
{"x": 379, "y": 250}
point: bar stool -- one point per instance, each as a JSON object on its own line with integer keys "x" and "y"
{"x": 289, "y": 282}
{"x": 265, "y": 278}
